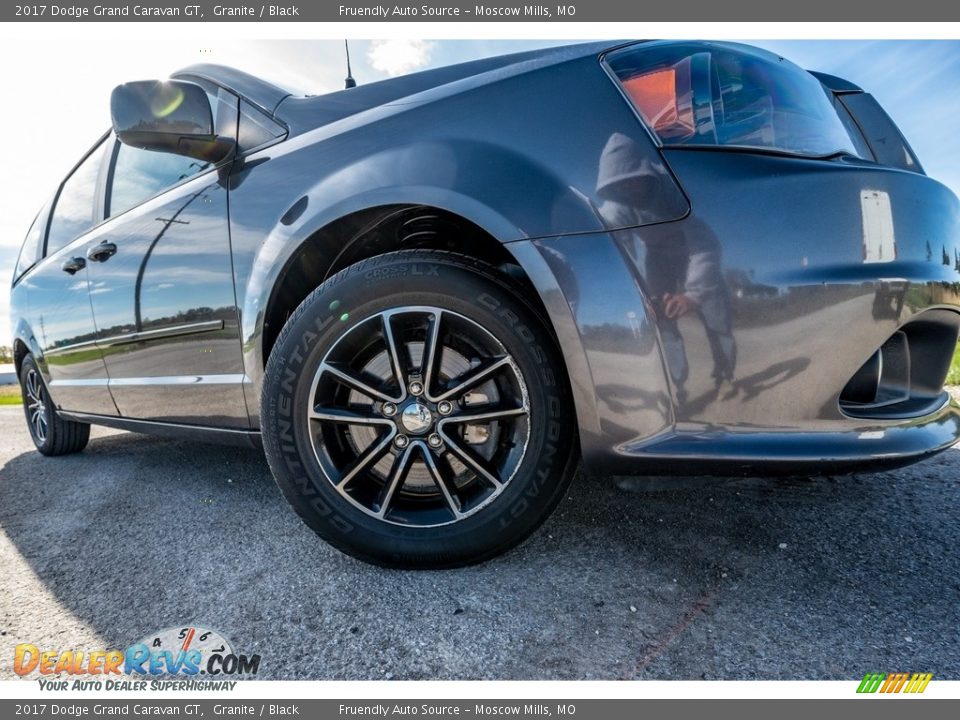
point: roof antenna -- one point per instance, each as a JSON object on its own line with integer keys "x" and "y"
{"x": 349, "y": 82}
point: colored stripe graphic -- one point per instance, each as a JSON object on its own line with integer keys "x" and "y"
{"x": 894, "y": 683}
{"x": 871, "y": 682}
{"x": 918, "y": 683}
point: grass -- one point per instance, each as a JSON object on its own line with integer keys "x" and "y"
{"x": 953, "y": 377}
{"x": 10, "y": 395}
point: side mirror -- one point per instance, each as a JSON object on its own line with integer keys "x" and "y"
{"x": 170, "y": 116}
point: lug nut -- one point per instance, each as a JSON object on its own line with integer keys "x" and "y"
{"x": 401, "y": 441}
{"x": 389, "y": 409}
{"x": 416, "y": 388}
{"x": 445, "y": 407}
{"x": 434, "y": 440}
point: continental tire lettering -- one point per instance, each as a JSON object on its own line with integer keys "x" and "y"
{"x": 284, "y": 426}
{"x": 303, "y": 483}
{"x": 519, "y": 507}
{"x": 289, "y": 377}
{"x": 285, "y": 405}
{"x": 511, "y": 317}
{"x": 307, "y": 338}
{"x": 321, "y": 507}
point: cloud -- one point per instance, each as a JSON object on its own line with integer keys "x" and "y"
{"x": 397, "y": 57}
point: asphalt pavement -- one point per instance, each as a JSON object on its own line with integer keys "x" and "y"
{"x": 825, "y": 578}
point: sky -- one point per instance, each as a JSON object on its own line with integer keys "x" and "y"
{"x": 56, "y": 96}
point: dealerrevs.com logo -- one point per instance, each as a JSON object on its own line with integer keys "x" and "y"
{"x": 180, "y": 652}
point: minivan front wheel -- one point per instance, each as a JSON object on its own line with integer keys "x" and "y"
{"x": 415, "y": 412}
{"x": 51, "y": 434}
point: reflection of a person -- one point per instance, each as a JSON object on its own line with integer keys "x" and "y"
{"x": 682, "y": 267}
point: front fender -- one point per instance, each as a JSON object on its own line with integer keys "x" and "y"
{"x": 609, "y": 340}
{"x": 277, "y": 207}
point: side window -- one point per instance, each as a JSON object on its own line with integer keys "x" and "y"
{"x": 137, "y": 175}
{"x": 256, "y": 128}
{"x": 76, "y": 211}
{"x": 32, "y": 249}
{"x": 140, "y": 174}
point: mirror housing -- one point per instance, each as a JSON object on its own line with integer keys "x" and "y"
{"x": 172, "y": 116}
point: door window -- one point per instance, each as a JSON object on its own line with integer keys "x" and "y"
{"x": 140, "y": 174}
{"x": 32, "y": 249}
{"x": 76, "y": 210}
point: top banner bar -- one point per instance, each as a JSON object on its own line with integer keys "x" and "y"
{"x": 453, "y": 11}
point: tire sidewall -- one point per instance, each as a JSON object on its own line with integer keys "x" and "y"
{"x": 344, "y": 302}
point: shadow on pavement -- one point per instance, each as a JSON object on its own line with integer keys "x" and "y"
{"x": 747, "y": 578}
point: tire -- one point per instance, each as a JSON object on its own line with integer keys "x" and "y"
{"x": 51, "y": 434}
{"x": 453, "y": 472}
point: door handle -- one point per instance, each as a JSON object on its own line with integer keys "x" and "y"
{"x": 102, "y": 252}
{"x": 73, "y": 265}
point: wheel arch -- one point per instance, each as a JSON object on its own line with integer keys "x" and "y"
{"x": 387, "y": 227}
{"x": 20, "y": 352}
{"x": 25, "y": 343}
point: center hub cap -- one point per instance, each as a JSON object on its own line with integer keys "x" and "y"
{"x": 416, "y": 418}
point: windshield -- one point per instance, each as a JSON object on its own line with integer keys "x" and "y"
{"x": 723, "y": 94}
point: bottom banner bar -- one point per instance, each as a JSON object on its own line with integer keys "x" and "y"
{"x": 872, "y": 707}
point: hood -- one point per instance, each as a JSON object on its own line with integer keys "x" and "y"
{"x": 301, "y": 113}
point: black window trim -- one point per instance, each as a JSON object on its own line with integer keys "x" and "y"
{"x": 199, "y": 78}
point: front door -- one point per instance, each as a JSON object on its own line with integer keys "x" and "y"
{"x": 161, "y": 287}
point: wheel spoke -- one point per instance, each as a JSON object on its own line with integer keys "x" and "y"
{"x": 399, "y": 368}
{"x": 474, "y": 378}
{"x": 352, "y": 381}
{"x": 430, "y": 355}
{"x": 470, "y": 458}
{"x": 347, "y": 416}
{"x": 32, "y": 389}
{"x": 39, "y": 426}
{"x": 367, "y": 458}
{"x": 398, "y": 474}
{"x": 446, "y": 485}
{"x": 487, "y": 416}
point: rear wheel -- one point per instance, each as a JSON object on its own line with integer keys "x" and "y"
{"x": 51, "y": 434}
{"x": 415, "y": 412}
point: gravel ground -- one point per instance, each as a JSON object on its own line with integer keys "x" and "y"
{"x": 673, "y": 579}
